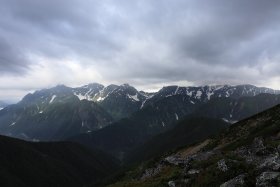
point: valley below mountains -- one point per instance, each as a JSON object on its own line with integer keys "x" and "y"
{"x": 116, "y": 135}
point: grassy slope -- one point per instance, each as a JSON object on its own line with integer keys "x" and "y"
{"x": 265, "y": 125}
{"x": 50, "y": 164}
{"x": 187, "y": 131}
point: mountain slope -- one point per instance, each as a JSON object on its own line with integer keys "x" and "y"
{"x": 163, "y": 115}
{"x": 51, "y": 164}
{"x": 122, "y": 101}
{"x": 187, "y": 131}
{"x": 88, "y": 92}
{"x": 246, "y": 154}
{"x": 233, "y": 110}
{"x": 118, "y": 101}
{"x": 3, "y": 105}
{"x": 52, "y": 114}
{"x": 124, "y": 135}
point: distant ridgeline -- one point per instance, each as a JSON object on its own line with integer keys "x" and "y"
{"x": 117, "y": 119}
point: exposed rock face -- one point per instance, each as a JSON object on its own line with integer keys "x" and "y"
{"x": 237, "y": 181}
{"x": 271, "y": 162}
{"x": 222, "y": 165}
{"x": 193, "y": 171}
{"x": 171, "y": 184}
{"x": 246, "y": 154}
{"x": 201, "y": 156}
{"x": 152, "y": 172}
{"x": 268, "y": 179}
{"x": 265, "y": 158}
{"x": 177, "y": 160}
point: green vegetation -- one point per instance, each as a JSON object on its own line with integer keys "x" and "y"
{"x": 51, "y": 164}
{"x": 255, "y": 139}
{"x": 168, "y": 173}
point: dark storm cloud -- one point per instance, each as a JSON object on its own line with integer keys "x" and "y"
{"x": 201, "y": 41}
{"x": 205, "y": 41}
{"x": 230, "y": 25}
{"x": 11, "y": 58}
{"x": 54, "y": 29}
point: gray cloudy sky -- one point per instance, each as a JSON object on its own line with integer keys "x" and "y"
{"x": 147, "y": 43}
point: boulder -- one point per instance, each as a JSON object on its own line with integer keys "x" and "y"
{"x": 236, "y": 181}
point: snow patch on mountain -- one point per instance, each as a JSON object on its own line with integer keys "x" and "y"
{"x": 198, "y": 94}
{"x": 218, "y": 87}
{"x": 52, "y": 99}
{"x": 176, "y": 116}
{"x": 189, "y": 93}
{"x": 229, "y": 121}
{"x": 176, "y": 91}
{"x": 147, "y": 98}
{"x": 13, "y": 123}
{"x": 100, "y": 99}
{"x": 80, "y": 96}
{"x": 133, "y": 97}
{"x": 103, "y": 94}
{"x": 209, "y": 94}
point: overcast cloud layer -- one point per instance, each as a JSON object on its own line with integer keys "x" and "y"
{"x": 147, "y": 43}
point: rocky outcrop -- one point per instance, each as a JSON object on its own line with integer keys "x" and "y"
{"x": 222, "y": 165}
{"x": 177, "y": 160}
{"x": 171, "y": 184}
{"x": 263, "y": 158}
{"x": 151, "y": 172}
{"x": 246, "y": 154}
{"x": 268, "y": 179}
{"x": 236, "y": 181}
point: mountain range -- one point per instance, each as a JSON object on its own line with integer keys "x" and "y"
{"x": 119, "y": 119}
{"x": 84, "y": 134}
{"x": 80, "y": 113}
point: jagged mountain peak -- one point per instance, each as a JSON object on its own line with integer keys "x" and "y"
{"x": 54, "y": 105}
{"x": 98, "y": 93}
{"x": 126, "y": 88}
{"x": 47, "y": 96}
{"x": 205, "y": 93}
{"x": 56, "y": 89}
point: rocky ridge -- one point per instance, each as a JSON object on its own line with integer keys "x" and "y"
{"x": 247, "y": 154}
